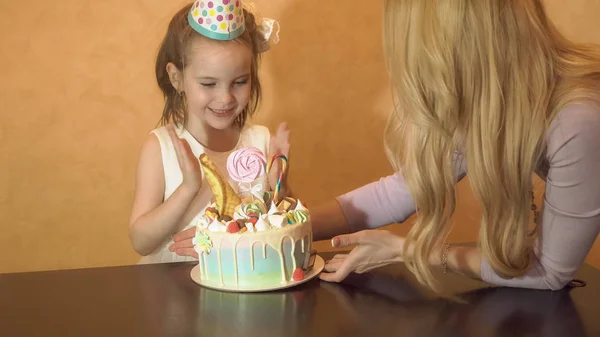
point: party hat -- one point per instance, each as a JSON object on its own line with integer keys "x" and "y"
{"x": 218, "y": 19}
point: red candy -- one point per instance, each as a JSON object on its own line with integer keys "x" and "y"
{"x": 298, "y": 275}
{"x": 233, "y": 227}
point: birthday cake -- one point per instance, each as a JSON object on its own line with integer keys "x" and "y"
{"x": 251, "y": 240}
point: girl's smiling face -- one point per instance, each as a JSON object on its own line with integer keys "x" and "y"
{"x": 216, "y": 81}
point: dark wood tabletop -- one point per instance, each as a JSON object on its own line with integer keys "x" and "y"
{"x": 162, "y": 300}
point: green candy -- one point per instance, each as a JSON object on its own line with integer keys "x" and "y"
{"x": 300, "y": 216}
{"x": 254, "y": 208}
{"x": 203, "y": 242}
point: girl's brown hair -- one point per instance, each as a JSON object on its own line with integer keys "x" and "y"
{"x": 174, "y": 49}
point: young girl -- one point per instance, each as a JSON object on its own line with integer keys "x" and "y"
{"x": 211, "y": 86}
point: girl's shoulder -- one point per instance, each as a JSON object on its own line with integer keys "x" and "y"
{"x": 256, "y": 130}
{"x": 163, "y": 135}
{"x": 256, "y": 135}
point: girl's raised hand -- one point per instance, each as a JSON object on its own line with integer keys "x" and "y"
{"x": 188, "y": 163}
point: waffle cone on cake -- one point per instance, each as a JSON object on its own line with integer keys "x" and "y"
{"x": 225, "y": 197}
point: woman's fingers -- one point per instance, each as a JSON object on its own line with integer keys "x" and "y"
{"x": 346, "y": 240}
{"x": 185, "y": 234}
{"x": 339, "y": 257}
{"x": 187, "y": 252}
{"x": 333, "y": 265}
{"x": 339, "y": 269}
{"x": 188, "y": 243}
{"x": 183, "y": 239}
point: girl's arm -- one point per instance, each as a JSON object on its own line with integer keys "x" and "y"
{"x": 152, "y": 220}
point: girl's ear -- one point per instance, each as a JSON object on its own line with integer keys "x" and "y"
{"x": 175, "y": 76}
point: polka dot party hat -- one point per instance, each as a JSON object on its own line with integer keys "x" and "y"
{"x": 218, "y": 19}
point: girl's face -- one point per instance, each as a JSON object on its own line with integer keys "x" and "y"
{"x": 217, "y": 81}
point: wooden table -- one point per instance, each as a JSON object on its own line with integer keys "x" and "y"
{"x": 162, "y": 300}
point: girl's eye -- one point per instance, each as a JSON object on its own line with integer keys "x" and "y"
{"x": 209, "y": 85}
{"x": 241, "y": 82}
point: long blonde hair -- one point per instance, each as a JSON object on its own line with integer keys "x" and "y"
{"x": 483, "y": 77}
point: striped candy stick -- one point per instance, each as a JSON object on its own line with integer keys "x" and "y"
{"x": 284, "y": 165}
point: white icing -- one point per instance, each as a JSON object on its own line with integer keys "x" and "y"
{"x": 239, "y": 213}
{"x": 205, "y": 265}
{"x": 275, "y": 239}
{"x": 262, "y": 224}
{"x": 300, "y": 207}
{"x": 217, "y": 226}
{"x": 271, "y": 229}
{"x": 252, "y": 255}
{"x": 277, "y": 220}
{"x": 273, "y": 209}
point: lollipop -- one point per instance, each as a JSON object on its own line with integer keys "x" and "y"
{"x": 283, "y": 170}
{"x": 245, "y": 166}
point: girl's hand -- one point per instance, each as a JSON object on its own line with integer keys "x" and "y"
{"x": 376, "y": 248}
{"x": 182, "y": 243}
{"x": 280, "y": 143}
{"x": 188, "y": 163}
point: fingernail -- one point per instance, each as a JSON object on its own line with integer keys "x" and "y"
{"x": 335, "y": 242}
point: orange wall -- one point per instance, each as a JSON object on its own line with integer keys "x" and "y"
{"x": 78, "y": 98}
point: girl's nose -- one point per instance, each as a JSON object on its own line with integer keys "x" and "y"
{"x": 226, "y": 97}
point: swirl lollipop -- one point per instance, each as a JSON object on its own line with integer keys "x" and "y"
{"x": 283, "y": 170}
{"x": 246, "y": 165}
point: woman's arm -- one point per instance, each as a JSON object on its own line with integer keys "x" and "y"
{"x": 570, "y": 218}
{"x": 374, "y": 205}
{"x": 570, "y": 221}
{"x": 377, "y": 204}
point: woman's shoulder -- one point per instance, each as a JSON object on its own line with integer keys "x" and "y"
{"x": 574, "y": 131}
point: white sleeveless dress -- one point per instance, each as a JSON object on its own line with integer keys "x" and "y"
{"x": 253, "y": 135}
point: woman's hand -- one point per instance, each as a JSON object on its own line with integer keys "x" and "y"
{"x": 375, "y": 248}
{"x": 182, "y": 243}
{"x": 188, "y": 163}
{"x": 280, "y": 143}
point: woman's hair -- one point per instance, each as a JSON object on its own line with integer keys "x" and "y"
{"x": 483, "y": 78}
{"x": 175, "y": 48}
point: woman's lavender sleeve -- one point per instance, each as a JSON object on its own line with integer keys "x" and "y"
{"x": 385, "y": 201}
{"x": 571, "y": 209}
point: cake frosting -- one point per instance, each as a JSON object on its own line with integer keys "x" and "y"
{"x": 254, "y": 241}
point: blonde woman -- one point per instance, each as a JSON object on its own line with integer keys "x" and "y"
{"x": 487, "y": 89}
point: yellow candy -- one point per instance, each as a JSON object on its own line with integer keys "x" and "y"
{"x": 226, "y": 199}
